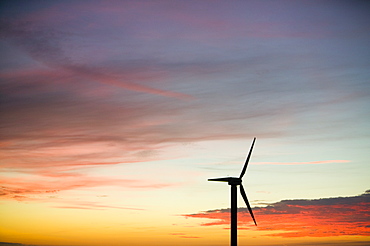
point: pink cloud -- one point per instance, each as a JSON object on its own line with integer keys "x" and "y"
{"x": 44, "y": 46}
{"x": 92, "y": 205}
{"x": 145, "y": 89}
{"x": 38, "y": 188}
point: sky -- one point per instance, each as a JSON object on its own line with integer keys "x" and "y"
{"x": 115, "y": 113}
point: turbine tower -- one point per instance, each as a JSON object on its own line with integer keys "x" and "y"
{"x": 234, "y": 182}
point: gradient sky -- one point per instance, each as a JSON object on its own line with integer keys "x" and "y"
{"x": 115, "y": 113}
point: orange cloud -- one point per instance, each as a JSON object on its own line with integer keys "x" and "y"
{"x": 326, "y": 217}
{"x": 183, "y": 235}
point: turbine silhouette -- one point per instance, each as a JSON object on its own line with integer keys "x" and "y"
{"x": 234, "y": 182}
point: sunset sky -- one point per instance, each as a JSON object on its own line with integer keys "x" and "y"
{"x": 115, "y": 113}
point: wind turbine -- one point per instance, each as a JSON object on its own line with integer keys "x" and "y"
{"x": 234, "y": 182}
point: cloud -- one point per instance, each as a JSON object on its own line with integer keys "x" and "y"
{"x": 189, "y": 237}
{"x": 325, "y": 217}
{"x": 302, "y": 163}
{"x": 45, "y": 45}
{"x": 61, "y": 115}
{"x": 41, "y": 188}
{"x": 15, "y": 244}
{"x": 332, "y": 243}
{"x": 11, "y": 244}
{"x": 183, "y": 235}
{"x": 55, "y": 126}
{"x": 63, "y": 109}
{"x": 91, "y": 206}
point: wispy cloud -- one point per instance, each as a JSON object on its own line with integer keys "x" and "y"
{"x": 15, "y": 244}
{"x": 325, "y": 217}
{"x": 40, "y": 188}
{"x": 92, "y": 206}
{"x": 302, "y": 163}
{"x": 44, "y": 45}
{"x": 183, "y": 235}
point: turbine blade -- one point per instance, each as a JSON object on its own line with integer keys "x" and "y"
{"x": 242, "y": 191}
{"x": 247, "y": 160}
